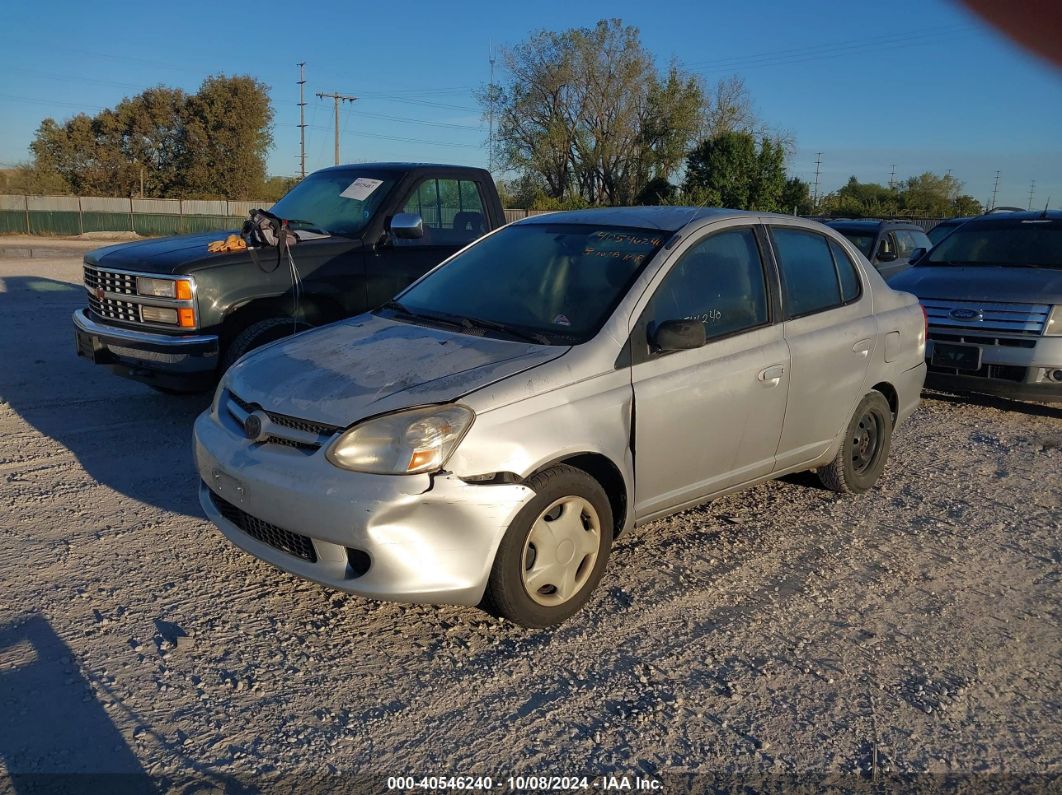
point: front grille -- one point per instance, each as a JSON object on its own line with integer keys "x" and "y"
{"x": 1001, "y": 372}
{"x": 111, "y": 281}
{"x": 284, "y": 421}
{"x": 1018, "y": 319}
{"x": 978, "y": 339}
{"x": 115, "y": 309}
{"x": 277, "y": 537}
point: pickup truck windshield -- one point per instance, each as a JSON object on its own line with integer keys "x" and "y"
{"x": 340, "y": 202}
{"x": 1026, "y": 243}
{"x": 550, "y": 283}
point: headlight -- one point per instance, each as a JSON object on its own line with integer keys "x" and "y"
{"x": 403, "y": 443}
{"x": 1054, "y": 322}
{"x": 164, "y": 288}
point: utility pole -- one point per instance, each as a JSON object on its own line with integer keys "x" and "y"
{"x": 1032, "y": 190}
{"x": 892, "y": 177}
{"x": 818, "y": 164}
{"x": 302, "y": 121}
{"x": 995, "y": 189}
{"x": 337, "y": 98}
{"x": 490, "y": 111}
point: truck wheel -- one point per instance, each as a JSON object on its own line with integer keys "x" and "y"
{"x": 554, "y": 552}
{"x": 865, "y": 449}
{"x": 257, "y": 335}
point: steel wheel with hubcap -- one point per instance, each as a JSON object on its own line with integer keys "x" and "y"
{"x": 554, "y": 552}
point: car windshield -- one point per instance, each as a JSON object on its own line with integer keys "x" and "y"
{"x": 941, "y": 231}
{"x": 548, "y": 283}
{"x": 1034, "y": 242}
{"x": 337, "y": 201}
{"x": 864, "y": 241}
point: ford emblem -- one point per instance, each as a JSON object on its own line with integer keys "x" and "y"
{"x": 967, "y": 314}
{"x": 252, "y": 427}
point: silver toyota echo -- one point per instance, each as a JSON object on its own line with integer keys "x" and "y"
{"x": 484, "y": 436}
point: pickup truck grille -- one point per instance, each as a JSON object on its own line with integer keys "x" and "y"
{"x": 110, "y": 281}
{"x": 986, "y": 317}
{"x": 114, "y": 283}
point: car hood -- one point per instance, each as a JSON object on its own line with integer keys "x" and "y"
{"x": 158, "y": 255}
{"x": 982, "y": 283}
{"x": 368, "y": 365}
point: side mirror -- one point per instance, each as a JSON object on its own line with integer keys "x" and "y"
{"x": 407, "y": 226}
{"x": 677, "y": 335}
{"x": 885, "y": 256}
{"x": 916, "y": 255}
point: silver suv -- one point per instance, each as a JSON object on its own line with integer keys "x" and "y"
{"x": 992, "y": 290}
{"x": 570, "y": 376}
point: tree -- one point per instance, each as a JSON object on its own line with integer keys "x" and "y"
{"x": 587, "y": 112}
{"x": 796, "y": 197}
{"x": 658, "y": 191}
{"x": 209, "y": 144}
{"x": 729, "y": 170}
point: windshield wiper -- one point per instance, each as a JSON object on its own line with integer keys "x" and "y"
{"x": 541, "y": 339}
{"x": 405, "y": 311}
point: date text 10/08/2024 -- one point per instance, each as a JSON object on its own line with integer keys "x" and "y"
{"x": 522, "y": 783}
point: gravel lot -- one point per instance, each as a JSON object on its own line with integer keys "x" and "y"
{"x": 779, "y": 631}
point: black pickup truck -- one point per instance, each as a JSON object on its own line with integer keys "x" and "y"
{"x": 172, "y": 314}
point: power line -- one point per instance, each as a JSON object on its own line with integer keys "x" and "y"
{"x": 337, "y": 98}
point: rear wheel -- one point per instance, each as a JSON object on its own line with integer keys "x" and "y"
{"x": 865, "y": 449}
{"x": 258, "y": 334}
{"x": 555, "y": 550}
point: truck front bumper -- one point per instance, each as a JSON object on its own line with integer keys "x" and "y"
{"x": 405, "y": 538}
{"x": 185, "y": 362}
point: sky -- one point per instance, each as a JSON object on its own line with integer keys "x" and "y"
{"x": 923, "y": 86}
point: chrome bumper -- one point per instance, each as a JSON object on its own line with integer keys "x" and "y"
{"x": 134, "y": 337}
{"x": 428, "y": 539}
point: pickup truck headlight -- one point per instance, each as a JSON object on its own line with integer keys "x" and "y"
{"x": 404, "y": 443}
{"x": 1054, "y": 322}
{"x": 181, "y": 289}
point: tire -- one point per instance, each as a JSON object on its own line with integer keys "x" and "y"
{"x": 559, "y": 492}
{"x": 864, "y": 450}
{"x": 257, "y": 335}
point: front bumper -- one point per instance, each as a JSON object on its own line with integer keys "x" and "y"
{"x": 186, "y": 361}
{"x": 1006, "y": 371}
{"x": 428, "y": 538}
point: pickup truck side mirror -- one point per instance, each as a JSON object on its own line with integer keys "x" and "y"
{"x": 408, "y": 226}
{"x": 884, "y": 255}
{"x": 916, "y": 255}
{"x": 677, "y": 335}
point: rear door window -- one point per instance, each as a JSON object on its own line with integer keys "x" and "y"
{"x": 451, "y": 209}
{"x": 809, "y": 277}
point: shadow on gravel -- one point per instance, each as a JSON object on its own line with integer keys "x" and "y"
{"x": 125, "y": 435}
{"x": 55, "y": 736}
{"x": 52, "y": 726}
{"x": 1003, "y": 404}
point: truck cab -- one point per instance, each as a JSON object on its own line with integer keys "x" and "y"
{"x": 174, "y": 315}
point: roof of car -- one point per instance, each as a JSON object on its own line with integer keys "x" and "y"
{"x": 868, "y": 224}
{"x": 1016, "y": 217}
{"x": 399, "y": 166}
{"x": 667, "y": 219}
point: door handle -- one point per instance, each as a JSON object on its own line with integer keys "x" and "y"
{"x": 863, "y": 347}
{"x": 771, "y": 375}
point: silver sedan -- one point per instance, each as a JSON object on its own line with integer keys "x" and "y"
{"x": 483, "y": 437}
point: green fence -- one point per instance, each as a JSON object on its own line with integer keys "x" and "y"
{"x": 75, "y": 215}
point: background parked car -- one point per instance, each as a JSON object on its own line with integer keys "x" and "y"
{"x": 887, "y": 244}
{"x": 992, "y": 291}
{"x": 948, "y": 225}
{"x": 483, "y": 423}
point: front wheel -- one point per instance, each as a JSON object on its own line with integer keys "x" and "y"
{"x": 864, "y": 450}
{"x": 258, "y": 334}
{"x": 554, "y": 552}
